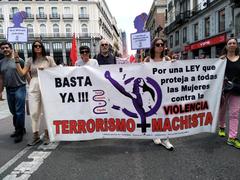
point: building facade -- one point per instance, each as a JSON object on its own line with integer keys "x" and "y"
{"x": 55, "y": 21}
{"x": 200, "y": 27}
{"x": 156, "y": 18}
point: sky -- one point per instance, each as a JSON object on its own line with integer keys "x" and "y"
{"x": 125, "y": 12}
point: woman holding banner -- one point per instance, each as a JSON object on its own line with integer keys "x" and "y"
{"x": 39, "y": 61}
{"x": 157, "y": 55}
{"x": 231, "y": 93}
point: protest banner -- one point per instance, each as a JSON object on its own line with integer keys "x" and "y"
{"x": 137, "y": 101}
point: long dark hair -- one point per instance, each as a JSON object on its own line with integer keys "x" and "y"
{"x": 224, "y": 51}
{"x": 152, "y": 49}
{"x": 43, "y": 50}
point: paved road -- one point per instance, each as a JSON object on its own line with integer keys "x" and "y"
{"x": 205, "y": 157}
{"x": 4, "y": 111}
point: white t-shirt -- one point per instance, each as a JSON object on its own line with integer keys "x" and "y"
{"x": 91, "y": 62}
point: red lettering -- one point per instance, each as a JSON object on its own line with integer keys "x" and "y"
{"x": 209, "y": 119}
{"x": 120, "y": 124}
{"x": 65, "y": 127}
{"x": 156, "y": 125}
{"x": 81, "y": 126}
{"x": 167, "y": 125}
{"x": 90, "y": 125}
{"x": 99, "y": 124}
{"x": 175, "y": 124}
{"x": 57, "y": 123}
{"x": 131, "y": 125}
{"x": 73, "y": 127}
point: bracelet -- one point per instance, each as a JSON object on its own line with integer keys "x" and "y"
{"x": 17, "y": 62}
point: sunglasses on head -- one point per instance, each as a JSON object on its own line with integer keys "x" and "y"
{"x": 82, "y": 52}
{"x": 37, "y": 46}
{"x": 104, "y": 44}
{"x": 159, "y": 44}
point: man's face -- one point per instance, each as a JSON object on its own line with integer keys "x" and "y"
{"x": 6, "y": 50}
{"x": 104, "y": 46}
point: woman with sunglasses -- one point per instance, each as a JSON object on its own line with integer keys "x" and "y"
{"x": 85, "y": 57}
{"x": 157, "y": 55}
{"x": 39, "y": 61}
{"x": 231, "y": 97}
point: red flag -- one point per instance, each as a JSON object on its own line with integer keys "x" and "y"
{"x": 73, "y": 52}
{"x": 132, "y": 59}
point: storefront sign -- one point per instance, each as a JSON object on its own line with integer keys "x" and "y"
{"x": 207, "y": 42}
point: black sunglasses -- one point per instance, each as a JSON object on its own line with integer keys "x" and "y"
{"x": 82, "y": 52}
{"x": 104, "y": 44}
{"x": 37, "y": 46}
{"x": 159, "y": 44}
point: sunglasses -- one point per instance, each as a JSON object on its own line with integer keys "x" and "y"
{"x": 82, "y": 52}
{"x": 37, "y": 46}
{"x": 104, "y": 44}
{"x": 159, "y": 44}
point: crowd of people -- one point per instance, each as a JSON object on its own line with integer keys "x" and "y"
{"x": 15, "y": 73}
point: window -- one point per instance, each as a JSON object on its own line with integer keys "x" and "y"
{"x": 171, "y": 41}
{"x": 57, "y": 46}
{"x": 43, "y": 30}
{"x": 221, "y": 20}
{"x": 1, "y": 30}
{"x": 41, "y": 11}
{"x": 54, "y": 11}
{"x": 184, "y": 34}
{"x": 68, "y": 30}
{"x": 14, "y": 10}
{"x": 68, "y": 46}
{"x": 47, "y": 46}
{"x": 84, "y": 28}
{"x": 176, "y": 38}
{"x": 195, "y": 31}
{"x": 55, "y": 30}
{"x": 83, "y": 10}
{"x": 67, "y": 10}
{"x": 28, "y": 10}
{"x": 207, "y": 26}
{"x": 30, "y": 30}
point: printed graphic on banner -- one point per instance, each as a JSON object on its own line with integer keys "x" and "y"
{"x": 138, "y": 101}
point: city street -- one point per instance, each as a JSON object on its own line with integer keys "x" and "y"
{"x": 205, "y": 156}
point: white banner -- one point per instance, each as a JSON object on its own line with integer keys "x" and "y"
{"x": 138, "y": 101}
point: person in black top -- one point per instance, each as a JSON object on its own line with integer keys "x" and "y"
{"x": 232, "y": 98}
{"x": 105, "y": 56}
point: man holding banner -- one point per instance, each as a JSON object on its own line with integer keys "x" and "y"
{"x": 16, "y": 89}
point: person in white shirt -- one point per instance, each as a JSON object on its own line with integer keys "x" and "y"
{"x": 85, "y": 57}
{"x": 157, "y": 55}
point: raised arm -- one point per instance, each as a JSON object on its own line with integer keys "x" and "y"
{"x": 22, "y": 71}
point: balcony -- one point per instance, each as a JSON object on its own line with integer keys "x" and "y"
{"x": 83, "y": 16}
{"x": 54, "y": 16}
{"x": 30, "y": 17}
{"x": 67, "y": 16}
{"x": 41, "y": 16}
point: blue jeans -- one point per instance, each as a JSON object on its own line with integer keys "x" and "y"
{"x": 16, "y": 103}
